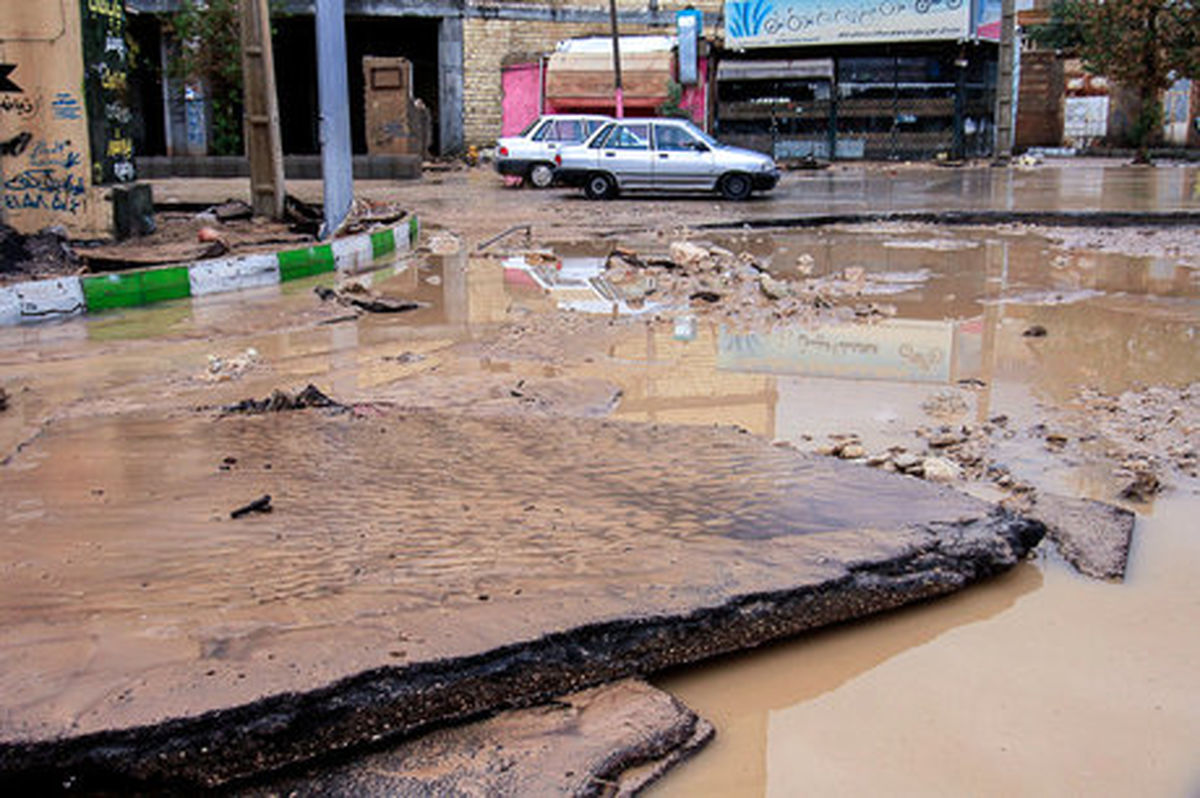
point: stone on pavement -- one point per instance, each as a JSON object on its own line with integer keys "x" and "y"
{"x": 610, "y": 740}
{"x": 418, "y": 568}
{"x": 1093, "y": 536}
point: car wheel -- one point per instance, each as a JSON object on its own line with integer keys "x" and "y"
{"x": 736, "y": 186}
{"x": 600, "y": 186}
{"x": 541, "y": 175}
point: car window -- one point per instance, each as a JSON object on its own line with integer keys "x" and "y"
{"x": 543, "y": 132}
{"x": 598, "y": 139}
{"x": 629, "y": 137}
{"x": 673, "y": 138}
{"x": 592, "y": 125}
{"x": 567, "y": 130}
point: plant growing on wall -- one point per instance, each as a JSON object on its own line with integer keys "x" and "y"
{"x": 208, "y": 35}
{"x": 671, "y": 106}
{"x": 1145, "y": 45}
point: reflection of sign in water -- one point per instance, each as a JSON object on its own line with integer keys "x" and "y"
{"x": 917, "y": 351}
{"x": 774, "y": 23}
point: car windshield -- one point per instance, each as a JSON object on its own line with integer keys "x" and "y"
{"x": 700, "y": 134}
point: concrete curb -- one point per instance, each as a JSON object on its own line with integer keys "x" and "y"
{"x": 62, "y": 297}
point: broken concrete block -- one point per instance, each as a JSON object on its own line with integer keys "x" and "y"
{"x": 1093, "y": 536}
{"x": 610, "y": 740}
{"x": 419, "y": 568}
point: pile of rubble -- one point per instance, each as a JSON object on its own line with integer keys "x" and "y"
{"x": 715, "y": 280}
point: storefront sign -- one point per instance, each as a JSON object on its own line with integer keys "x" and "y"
{"x": 778, "y": 23}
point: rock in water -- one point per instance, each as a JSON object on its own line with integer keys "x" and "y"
{"x": 1093, "y": 536}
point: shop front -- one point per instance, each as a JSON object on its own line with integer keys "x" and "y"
{"x": 854, "y": 79}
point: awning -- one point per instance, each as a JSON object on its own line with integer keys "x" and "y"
{"x": 776, "y": 70}
{"x": 585, "y": 79}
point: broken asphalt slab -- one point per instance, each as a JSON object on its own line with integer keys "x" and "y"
{"x": 419, "y": 568}
{"x": 1093, "y": 536}
{"x": 610, "y": 740}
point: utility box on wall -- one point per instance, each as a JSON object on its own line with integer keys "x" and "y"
{"x": 396, "y": 124}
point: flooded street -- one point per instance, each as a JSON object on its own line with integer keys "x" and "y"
{"x": 1040, "y": 681}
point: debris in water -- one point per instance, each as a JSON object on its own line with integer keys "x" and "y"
{"x": 358, "y": 296}
{"x": 1036, "y": 331}
{"x": 3, "y": 399}
{"x": 222, "y": 369}
{"x": 1093, "y": 536}
{"x": 280, "y": 401}
{"x": 259, "y": 505}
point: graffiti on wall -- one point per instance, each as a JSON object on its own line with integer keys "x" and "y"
{"x": 50, "y": 179}
{"x": 106, "y": 87}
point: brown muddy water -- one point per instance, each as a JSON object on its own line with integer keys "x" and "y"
{"x": 1040, "y": 682}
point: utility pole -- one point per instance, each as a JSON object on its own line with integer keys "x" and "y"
{"x": 1004, "y": 83}
{"x": 619, "y": 94}
{"x": 261, "y": 108}
{"x": 333, "y": 95}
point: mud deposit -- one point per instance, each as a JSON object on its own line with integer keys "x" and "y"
{"x": 417, "y": 567}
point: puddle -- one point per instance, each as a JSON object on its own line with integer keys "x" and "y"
{"x": 1039, "y": 682}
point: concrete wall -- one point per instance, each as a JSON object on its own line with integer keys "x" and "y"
{"x": 45, "y": 175}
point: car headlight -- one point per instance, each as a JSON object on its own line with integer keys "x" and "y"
{"x": 768, "y": 166}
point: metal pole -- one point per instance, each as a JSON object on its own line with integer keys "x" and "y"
{"x": 618, "y": 94}
{"x": 1004, "y": 83}
{"x": 333, "y": 93}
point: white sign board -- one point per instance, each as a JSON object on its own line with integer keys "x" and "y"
{"x": 776, "y": 23}
{"x": 1085, "y": 118}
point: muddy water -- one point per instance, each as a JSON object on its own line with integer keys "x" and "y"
{"x": 1041, "y": 682}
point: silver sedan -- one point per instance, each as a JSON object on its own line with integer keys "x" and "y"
{"x": 661, "y": 155}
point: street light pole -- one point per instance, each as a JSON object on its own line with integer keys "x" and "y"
{"x": 1004, "y": 82}
{"x": 619, "y": 95}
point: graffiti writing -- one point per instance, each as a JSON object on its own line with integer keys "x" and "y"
{"x": 44, "y": 189}
{"x": 23, "y": 106}
{"x": 57, "y": 153}
{"x": 16, "y": 145}
{"x": 116, "y": 112}
{"x": 109, "y": 8}
{"x": 122, "y": 149}
{"x": 66, "y": 106}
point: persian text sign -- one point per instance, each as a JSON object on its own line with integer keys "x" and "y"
{"x": 775, "y": 23}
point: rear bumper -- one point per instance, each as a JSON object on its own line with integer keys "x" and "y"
{"x": 570, "y": 177}
{"x": 513, "y": 167}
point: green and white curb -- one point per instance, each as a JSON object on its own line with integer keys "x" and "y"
{"x": 61, "y": 297}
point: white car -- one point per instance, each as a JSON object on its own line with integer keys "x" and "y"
{"x": 662, "y": 155}
{"x": 531, "y": 155}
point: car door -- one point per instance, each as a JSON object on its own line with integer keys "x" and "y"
{"x": 681, "y": 161}
{"x": 626, "y": 154}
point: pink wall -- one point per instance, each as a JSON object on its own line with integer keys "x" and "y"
{"x": 522, "y": 92}
{"x": 692, "y": 99}
{"x": 520, "y": 84}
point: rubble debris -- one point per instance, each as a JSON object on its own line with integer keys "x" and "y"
{"x": 232, "y": 210}
{"x": 280, "y": 401}
{"x": 1092, "y": 536}
{"x": 940, "y": 469}
{"x": 1035, "y": 331}
{"x": 359, "y": 296}
{"x": 46, "y": 252}
{"x": 259, "y": 505}
{"x": 445, "y": 243}
{"x": 302, "y": 217}
{"x": 615, "y": 739}
{"x": 221, "y": 369}
{"x": 1143, "y": 486}
{"x": 3, "y": 400}
{"x": 688, "y": 255}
